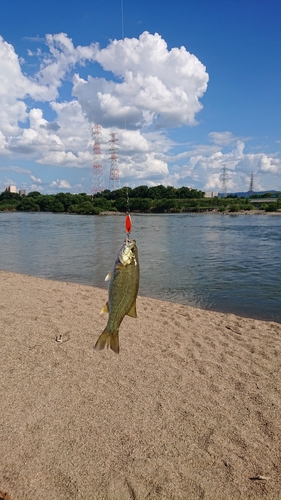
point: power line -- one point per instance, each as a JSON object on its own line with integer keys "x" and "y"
{"x": 251, "y": 189}
{"x": 97, "y": 172}
{"x": 223, "y": 179}
{"x": 114, "y": 177}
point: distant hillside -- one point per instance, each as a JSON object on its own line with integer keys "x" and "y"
{"x": 247, "y": 193}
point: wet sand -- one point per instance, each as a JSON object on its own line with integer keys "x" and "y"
{"x": 189, "y": 409}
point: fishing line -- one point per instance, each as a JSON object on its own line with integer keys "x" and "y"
{"x": 122, "y": 19}
{"x": 122, "y": 33}
{"x": 128, "y": 220}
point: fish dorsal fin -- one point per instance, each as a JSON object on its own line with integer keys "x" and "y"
{"x": 105, "y": 309}
{"x": 133, "y": 311}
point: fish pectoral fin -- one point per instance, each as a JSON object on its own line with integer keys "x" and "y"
{"x": 133, "y": 311}
{"x": 105, "y": 309}
{"x": 108, "y": 276}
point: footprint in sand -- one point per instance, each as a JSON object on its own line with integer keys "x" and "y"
{"x": 120, "y": 488}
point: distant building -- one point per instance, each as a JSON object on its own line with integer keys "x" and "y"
{"x": 211, "y": 194}
{"x": 11, "y": 189}
{"x": 22, "y": 192}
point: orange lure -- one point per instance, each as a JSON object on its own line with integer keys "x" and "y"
{"x": 128, "y": 224}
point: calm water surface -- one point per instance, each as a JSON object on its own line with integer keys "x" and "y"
{"x": 220, "y": 262}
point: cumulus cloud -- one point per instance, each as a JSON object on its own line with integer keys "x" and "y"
{"x": 156, "y": 86}
{"x": 61, "y": 58}
{"x": 152, "y": 87}
{"x": 143, "y": 89}
{"x": 269, "y": 165}
{"x": 16, "y": 87}
{"x": 35, "y": 179}
{"x": 203, "y": 171}
{"x": 60, "y": 184}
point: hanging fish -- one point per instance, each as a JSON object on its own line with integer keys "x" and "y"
{"x": 122, "y": 294}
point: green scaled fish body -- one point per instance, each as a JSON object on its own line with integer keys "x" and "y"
{"x": 122, "y": 294}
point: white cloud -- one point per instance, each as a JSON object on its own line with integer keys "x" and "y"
{"x": 145, "y": 89}
{"x": 61, "y": 58}
{"x": 32, "y": 187}
{"x": 156, "y": 85}
{"x": 66, "y": 159}
{"x": 20, "y": 170}
{"x": 15, "y": 86}
{"x": 3, "y": 143}
{"x": 34, "y": 179}
{"x": 222, "y": 138}
{"x": 269, "y": 165}
{"x": 60, "y": 184}
{"x": 204, "y": 171}
{"x": 38, "y": 137}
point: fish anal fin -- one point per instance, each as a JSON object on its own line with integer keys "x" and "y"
{"x": 105, "y": 309}
{"x": 133, "y": 311}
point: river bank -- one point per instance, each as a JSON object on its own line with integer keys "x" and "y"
{"x": 213, "y": 211}
{"x": 189, "y": 409}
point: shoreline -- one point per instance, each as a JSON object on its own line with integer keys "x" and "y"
{"x": 240, "y": 212}
{"x": 178, "y": 302}
{"x": 190, "y": 408}
{"x": 199, "y": 212}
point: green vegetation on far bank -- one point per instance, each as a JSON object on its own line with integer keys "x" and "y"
{"x": 143, "y": 199}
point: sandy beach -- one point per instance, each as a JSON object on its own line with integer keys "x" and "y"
{"x": 189, "y": 409}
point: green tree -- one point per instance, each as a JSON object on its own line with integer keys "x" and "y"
{"x": 6, "y": 195}
{"x": 67, "y": 199}
{"x": 57, "y": 207}
{"x": 235, "y": 207}
{"x": 157, "y": 192}
{"x": 164, "y": 205}
{"x": 170, "y": 192}
{"x": 145, "y": 205}
{"x": 86, "y": 207}
{"x": 8, "y": 205}
{"x": 33, "y": 194}
{"x": 102, "y": 203}
{"x": 140, "y": 192}
{"x": 121, "y": 204}
{"x": 183, "y": 193}
{"x": 28, "y": 204}
{"x": 120, "y": 193}
{"x": 267, "y": 195}
{"x": 46, "y": 202}
{"x": 272, "y": 207}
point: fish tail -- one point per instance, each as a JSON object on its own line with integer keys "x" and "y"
{"x": 108, "y": 339}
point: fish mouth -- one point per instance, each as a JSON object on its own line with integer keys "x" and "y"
{"x": 129, "y": 243}
{"x": 127, "y": 253}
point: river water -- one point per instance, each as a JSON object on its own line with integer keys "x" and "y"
{"x": 220, "y": 262}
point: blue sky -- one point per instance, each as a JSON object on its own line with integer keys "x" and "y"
{"x": 187, "y": 86}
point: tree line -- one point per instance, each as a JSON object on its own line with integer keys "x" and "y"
{"x": 144, "y": 199}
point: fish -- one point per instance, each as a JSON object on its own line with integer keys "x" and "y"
{"x": 122, "y": 294}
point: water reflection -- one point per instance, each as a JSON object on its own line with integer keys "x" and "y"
{"x": 225, "y": 263}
